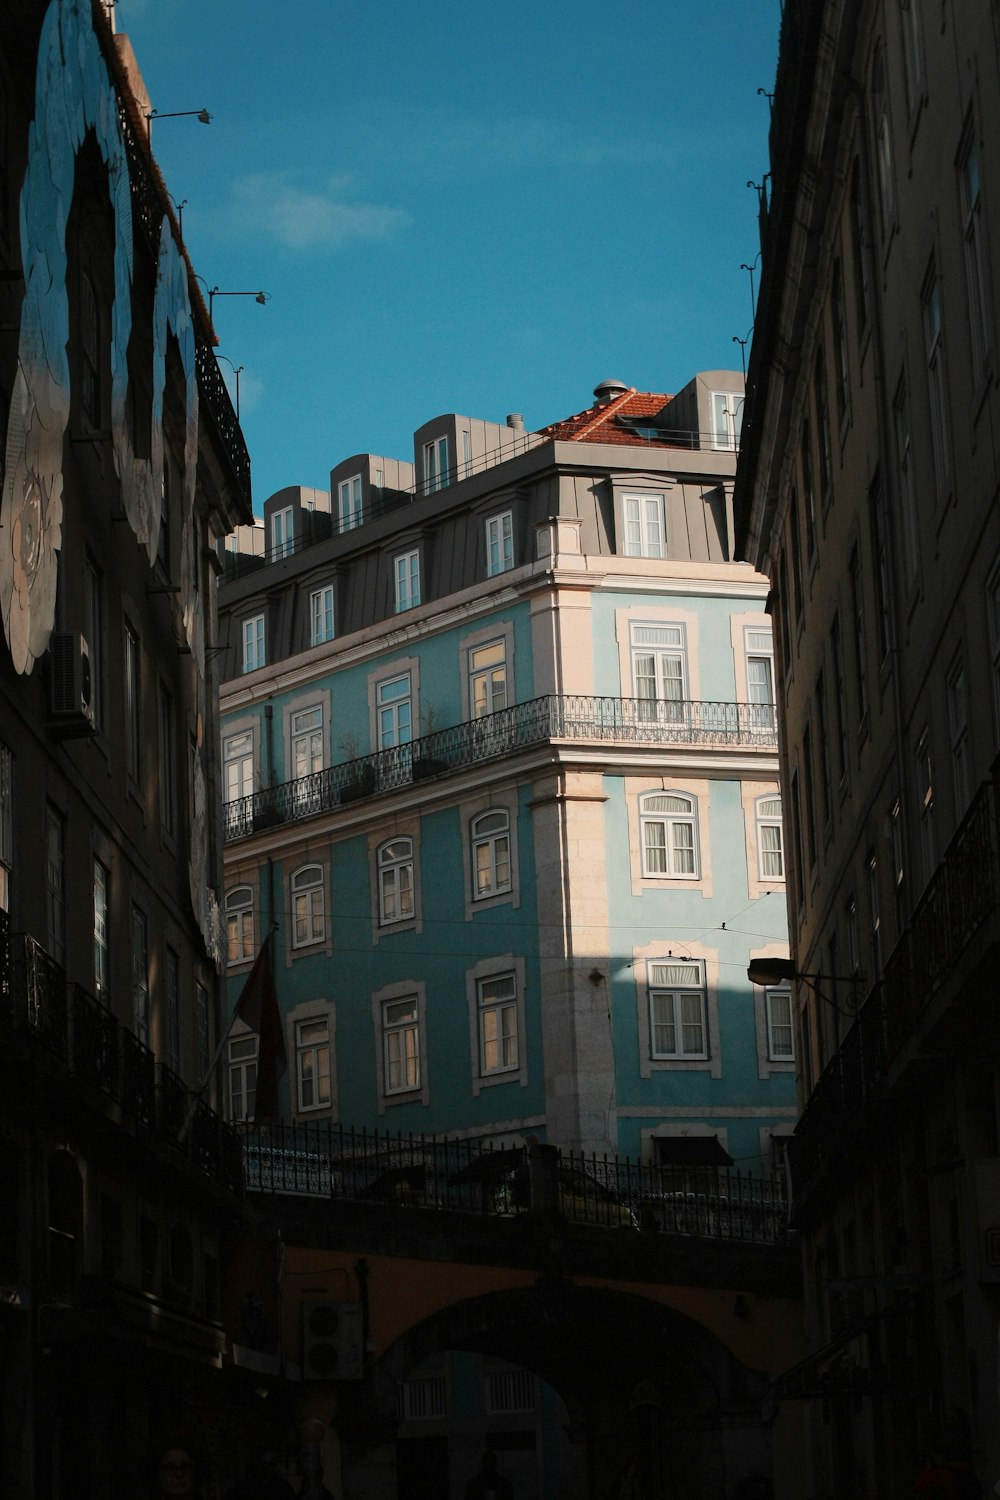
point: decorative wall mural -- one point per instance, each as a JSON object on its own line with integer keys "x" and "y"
{"x": 72, "y": 95}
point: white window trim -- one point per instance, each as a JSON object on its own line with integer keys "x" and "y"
{"x": 311, "y": 940}
{"x": 496, "y": 968}
{"x": 313, "y": 1010}
{"x": 317, "y": 698}
{"x": 401, "y": 991}
{"x": 678, "y": 989}
{"x": 387, "y": 672}
{"x": 385, "y": 866}
{"x": 248, "y": 623}
{"x": 385, "y": 833}
{"x": 350, "y": 506}
{"x": 503, "y": 799}
{"x": 669, "y": 820}
{"x": 641, "y": 499}
{"x": 318, "y": 593}
{"x": 230, "y": 729}
{"x": 635, "y": 789}
{"x": 728, "y": 440}
{"x": 282, "y": 520}
{"x": 764, "y": 820}
{"x": 502, "y": 630}
{"x": 240, "y": 1033}
{"x": 249, "y": 905}
{"x": 751, "y": 793}
{"x": 660, "y": 951}
{"x": 504, "y": 520}
{"x": 625, "y": 621}
{"x": 406, "y": 569}
{"x": 766, "y": 1064}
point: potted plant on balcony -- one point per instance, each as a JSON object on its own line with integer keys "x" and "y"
{"x": 425, "y": 763}
{"x": 360, "y": 775}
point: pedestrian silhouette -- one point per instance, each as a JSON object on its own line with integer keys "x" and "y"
{"x": 488, "y": 1484}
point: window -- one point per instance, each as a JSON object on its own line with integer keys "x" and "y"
{"x": 237, "y": 757}
{"x": 6, "y": 824}
{"x": 282, "y": 533}
{"x": 727, "y": 419}
{"x": 497, "y": 999}
{"x": 808, "y": 489}
{"x": 308, "y": 907}
{"x": 509, "y": 1391}
{"x": 133, "y": 720}
{"x": 925, "y": 792}
{"x": 140, "y": 976}
{"x": 677, "y": 1022}
{"x": 102, "y": 949}
{"x": 407, "y": 574}
{"x": 780, "y": 1034}
{"x": 958, "y": 729}
{"x": 239, "y": 924}
{"x": 401, "y": 1044}
{"x": 172, "y": 997}
{"x": 825, "y": 801}
{"x": 394, "y": 867}
{"x": 669, "y": 835}
{"x": 808, "y": 800}
{"x": 253, "y": 643}
{"x": 993, "y": 615}
{"x": 858, "y": 608}
{"x": 490, "y": 834}
{"x": 435, "y": 465}
{"x": 312, "y": 1063}
{"x": 874, "y": 916}
{"x": 394, "y": 709}
{"x": 488, "y": 678}
{"x": 306, "y": 729}
{"x": 90, "y": 354}
{"x": 55, "y": 883}
{"x": 880, "y": 554}
{"x": 321, "y": 615}
{"x": 975, "y": 268}
{"x": 760, "y": 678}
{"x": 499, "y": 544}
{"x": 349, "y": 502}
{"x": 659, "y": 671}
{"x": 466, "y": 452}
{"x": 936, "y": 391}
{"x": 243, "y": 1075}
{"x": 839, "y": 696}
{"x": 93, "y": 605}
{"x": 770, "y": 840}
{"x": 882, "y": 126}
{"x": 645, "y": 528}
{"x": 167, "y": 769}
{"x": 795, "y": 552}
{"x": 202, "y": 1033}
{"x": 796, "y": 812}
{"x": 859, "y": 248}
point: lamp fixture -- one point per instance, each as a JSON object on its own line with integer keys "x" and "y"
{"x": 215, "y": 291}
{"x": 175, "y": 114}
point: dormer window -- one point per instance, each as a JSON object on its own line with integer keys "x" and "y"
{"x": 727, "y": 419}
{"x": 435, "y": 465}
{"x": 349, "y": 502}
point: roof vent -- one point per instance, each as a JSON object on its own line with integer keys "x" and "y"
{"x": 607, "y": 390}
{"x": 515, "y": 421}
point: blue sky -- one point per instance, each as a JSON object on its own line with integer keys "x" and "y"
{"x": 458, "y": 205}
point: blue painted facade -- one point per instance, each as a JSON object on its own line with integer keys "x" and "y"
{"x": 594, "y": 992}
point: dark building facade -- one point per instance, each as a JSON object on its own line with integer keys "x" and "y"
{"x": 122, "y": 462}
{"x": 867, "y": 490}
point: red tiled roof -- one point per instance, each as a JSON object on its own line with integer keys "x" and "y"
{"x": 599, "y": 424}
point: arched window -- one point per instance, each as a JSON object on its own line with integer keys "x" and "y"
{"x": 670, "y": 835}
{"x": 307, "y": 906}
{"x": 239, "y": 923}
{"x": 395, "y": 881}
{"x": 490, "y": 833}
{"x": 770, "y": 839}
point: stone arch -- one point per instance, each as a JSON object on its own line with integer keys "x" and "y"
{"x": 647, "y": 1389}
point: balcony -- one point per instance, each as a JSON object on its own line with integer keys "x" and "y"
{"x": 84, "y": 1039}
{"x": 961, "y": 896}
{"x": 618, "y": 722}
{"x": 335, "y": 1163}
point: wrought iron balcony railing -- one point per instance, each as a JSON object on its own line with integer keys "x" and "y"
{"x": 85, "y": 1039}
{"x": 336, "y": 1163}
{"x": 962, "y": 893}
{"x": 606, "y": 721}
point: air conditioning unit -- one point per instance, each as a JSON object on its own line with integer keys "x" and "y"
{"x": 333, "y": 1342}
{"x": 71, "y": 686}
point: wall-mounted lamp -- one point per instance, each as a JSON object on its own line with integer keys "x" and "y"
{"x": 175, "y": 114}
{"x": 215, "y": 291}
{"x": 773, "y": 971}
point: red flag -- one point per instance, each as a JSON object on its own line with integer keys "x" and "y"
{"x": 257, "y": 1007}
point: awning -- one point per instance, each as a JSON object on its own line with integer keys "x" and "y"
{"x": 691, "y": 1151}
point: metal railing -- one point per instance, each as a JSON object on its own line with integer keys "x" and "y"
{"x": 336, "y": 1163}
{"x": 962, "y": 893}
{"x": 618, "y": 721}
{"x": 86, "y": 1039}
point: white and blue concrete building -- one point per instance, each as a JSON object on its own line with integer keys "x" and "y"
{"x": 501, "y": 773}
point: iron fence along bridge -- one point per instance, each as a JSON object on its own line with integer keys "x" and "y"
{"x": 573, "y": 717}
{"x": 332, "y": 1162}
